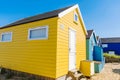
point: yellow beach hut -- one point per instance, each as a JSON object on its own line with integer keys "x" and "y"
{"x": 49, "y": 44}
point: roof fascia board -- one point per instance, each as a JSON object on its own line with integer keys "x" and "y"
{"x": 61, "y": 14}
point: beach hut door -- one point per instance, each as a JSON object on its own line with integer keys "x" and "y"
{"x": 72, "y": 49}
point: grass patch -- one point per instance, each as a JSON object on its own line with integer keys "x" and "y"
{"x": 111, "y": 56}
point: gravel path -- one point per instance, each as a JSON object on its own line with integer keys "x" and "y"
{"x": 111, "y": 71}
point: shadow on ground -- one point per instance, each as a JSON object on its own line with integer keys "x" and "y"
{"x": 116, "y": 71}
{"x": 115, "y": 63}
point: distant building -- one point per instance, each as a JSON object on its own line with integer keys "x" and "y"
{"x": 91, "y": 41}
{"x": 111, "y": 45}
{"x": 98, "y": 41}
{"x": 94, "y": 52}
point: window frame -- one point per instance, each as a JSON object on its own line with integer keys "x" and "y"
{"x": 6, "y": 33}
{"x": 111, "y": 52}
{"x": 75, "y": 14}
{"x": 104, "y": 45}
{"x": 41, "y": 27}
{"x": 92, "y": 44}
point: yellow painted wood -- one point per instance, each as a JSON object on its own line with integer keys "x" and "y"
{"x": 32, "y": 56}
{"x": 63, "y": 43}
{"x": 48, "y": 57}
{"x": 87, "y": 68}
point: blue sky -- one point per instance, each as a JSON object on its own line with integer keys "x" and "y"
{"x": 101, "y": 15}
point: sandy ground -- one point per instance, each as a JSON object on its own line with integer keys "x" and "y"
{"x": 111, "y": 71}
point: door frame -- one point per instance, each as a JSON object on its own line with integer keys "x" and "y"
{"x": 69, "y": 45}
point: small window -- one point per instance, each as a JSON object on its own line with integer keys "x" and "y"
{"x": 62, "y": 26}
{"x": 111, "y": 52}
{"x": 75, "y": 17}
{"x": 6, "y": 37}
{"x": 38, "y": 33}
{"x": 92, "y": 44}
{"x": 104, "y": 45}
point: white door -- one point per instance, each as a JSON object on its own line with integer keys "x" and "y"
{"x": 72, "y": 49}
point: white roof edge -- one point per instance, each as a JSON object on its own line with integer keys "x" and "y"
{"x": 95, "y": 35}
{"x": 61, "y": 14}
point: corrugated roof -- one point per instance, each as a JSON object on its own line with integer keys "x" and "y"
{"x": 110, "y": 40}
{"x": 37, "y": 17}
{"x": 89, "y": 33}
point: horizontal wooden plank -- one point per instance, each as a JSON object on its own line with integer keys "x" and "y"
{"x": 32, "y": 56}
